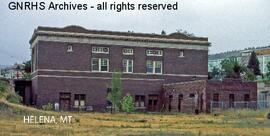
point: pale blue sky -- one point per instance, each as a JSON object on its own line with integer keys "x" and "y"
{"x": 229, "y": 24}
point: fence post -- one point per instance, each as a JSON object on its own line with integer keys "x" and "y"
{"x": 211, "y": 107}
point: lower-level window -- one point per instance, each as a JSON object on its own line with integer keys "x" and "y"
{"x": 139, "y": 100}
{"x": 79, "y": 100}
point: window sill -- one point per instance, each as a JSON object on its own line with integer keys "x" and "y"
{"x": 128, "y": 73}
{"x": 154, "y": 73}
{"x": 140, "y": 108}
{"x": 100, "y": 71}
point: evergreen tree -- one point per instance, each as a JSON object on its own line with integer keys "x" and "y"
{"x": 114, "y": 96}
{"x": 163, "y": 32}
{"x": 254, "y": 64}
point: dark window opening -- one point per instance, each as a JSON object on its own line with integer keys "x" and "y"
{"x": 79, "y": 100}
{"x": 215, "y": 97}
{"x": 192, "y": 95}
{"x": 246, "y": 97}
{"x": 139, "y": 101}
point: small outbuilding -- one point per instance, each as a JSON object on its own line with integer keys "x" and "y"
{"x": 208, "y": 95}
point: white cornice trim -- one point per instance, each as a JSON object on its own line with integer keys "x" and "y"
{"x": 78, "y": 71}
{"x": 85, "y": 77}
{"x": 119, "y": 40}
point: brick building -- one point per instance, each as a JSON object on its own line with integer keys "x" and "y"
{"x": 73, "y": 66}
{"x": 204, "y": 95}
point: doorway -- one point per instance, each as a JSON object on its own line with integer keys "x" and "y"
{"x": 231, "y": 100}
{"x": 64, "y": 101}
{"x": 170, "y": 102}
{"x": 152, "y": 102}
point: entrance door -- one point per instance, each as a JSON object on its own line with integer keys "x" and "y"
{"x": 170, "y": 102}
{"x": 180, "y": 99}
{"x": 64, "y": 101}
{"x": 152, "y": 102}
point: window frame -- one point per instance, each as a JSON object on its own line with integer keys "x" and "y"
{"x": 100, "y": 65}
{"x": 126, "y": 68}
{"x": 154, "y": 66}
{"x": 81, "y": 97}
{"x": 69, "y": 48}
{"x": 148, "y": 52}
{"x": 102, "y": 52}
{"x": 141, "y": 98}
{"x": 181, "y": 54}
{"x": 132, "y": 51}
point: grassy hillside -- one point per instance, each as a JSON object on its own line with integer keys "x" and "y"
{"x": 241, "y": 122}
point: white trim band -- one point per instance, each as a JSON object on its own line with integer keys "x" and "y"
{"x": 78, "y": 71}
{"x": 108, "y": 78}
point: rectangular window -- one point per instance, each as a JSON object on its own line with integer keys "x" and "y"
{"x": 100, "y": 64}
{"x": 127, "y": 66}
{"x": 151, "y": 52}
{"x": 100, "y": 50}
{"x": 191, "y": 95}
{"x": 139, "y": 101}
{"x": 79, "y": 100}
{"x": 154, "y": 67}
{"x": 95, "y": 64}
{"x": 103, "y": 64}
{"x": 246, "y": 97}
{"x": 127, "y": 51}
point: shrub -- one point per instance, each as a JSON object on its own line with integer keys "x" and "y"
{"x": 127, "y": 103}
{"x": 14, "y": 98}
{"x": 48, "y": 107}
{"x": 3, "y": 86}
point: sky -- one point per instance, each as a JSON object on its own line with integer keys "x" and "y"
{"x": 229, "y": 24}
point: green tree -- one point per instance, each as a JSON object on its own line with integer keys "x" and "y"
{"x": 3, "y": 86}
{"x": 114, "y": 95}
{"x": 249, "y": 75}
{"x": 27, "y": 66}
{"x": 163, "y": 32}
{"x": 254, "y": 64}
{"x": 215, "y": 73}
{"x": 27, "y": 69}
{"x": 127, "y": 103}
{"x": 232, "y": 68}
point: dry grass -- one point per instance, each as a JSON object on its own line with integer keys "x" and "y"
{"x": 232, "y": 123}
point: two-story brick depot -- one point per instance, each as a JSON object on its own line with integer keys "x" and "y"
{"x": 73, "y": 66}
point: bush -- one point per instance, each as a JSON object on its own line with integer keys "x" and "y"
{"x": 48, "y": 107}
{"x": 14, "y": 98}
{"x": 3, "y": 86}
{"x": 127, "y": 103}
